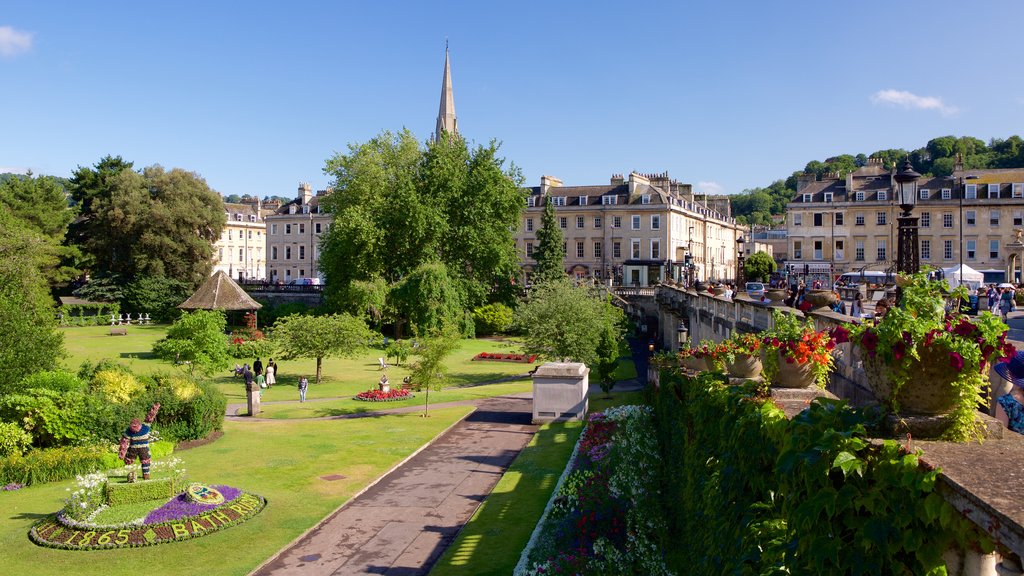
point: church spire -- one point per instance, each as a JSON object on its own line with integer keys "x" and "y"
{"x": 446, "y": 121}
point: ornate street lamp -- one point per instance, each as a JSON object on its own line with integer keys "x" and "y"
{"x": 739, "y": 262}
{"x": 908, "y": 259}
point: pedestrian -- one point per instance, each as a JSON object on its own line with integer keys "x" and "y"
{"x": 303, "y": 386}
{"x": 857, "y": 308}
{"x": 1006, "y": 302}
{"x": 247, "y": 377}
{"x": 257, "y": 367}
{"x": 261, "y": 383}
{"x": 1010, "y": 406}
{"x": 271, "y": 379}
{"x": 993, "y": 298}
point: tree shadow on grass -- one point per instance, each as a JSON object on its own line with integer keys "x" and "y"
{"x": 138, "y": 355}
{"x": 29, "y": 516}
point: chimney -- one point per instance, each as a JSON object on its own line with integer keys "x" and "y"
{"x": 305, "y": 192}
{"x": 803, "y": 181}
{"x": 618, "y": 180}
{"x": 548, "y": 182}
{"x": 636, "y": 180}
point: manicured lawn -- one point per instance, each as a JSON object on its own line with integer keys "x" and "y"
{"x": 336, "y": 407}
{"x": 282, "y": 461}
{"x": 341, "y": 376}
{"x": 490, "y": 544}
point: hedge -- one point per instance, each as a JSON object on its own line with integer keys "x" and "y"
{"x": 139, "y": 491}
{"x": 50, "y": 464}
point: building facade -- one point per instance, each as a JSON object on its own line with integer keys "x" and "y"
{"x": 293, "y": 233}
{"x": 838, "y": 225}
{"x": 635, "y": 232}
{"x": 240, "y": 252}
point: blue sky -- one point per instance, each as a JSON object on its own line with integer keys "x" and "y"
{"x": 255, "y": 96}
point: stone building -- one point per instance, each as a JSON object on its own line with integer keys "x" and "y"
{"x": 240, "y": 250}
{"x": 293, "y": 237}
{"x": 838, "y": 225}
{"x": 633, "y": 231}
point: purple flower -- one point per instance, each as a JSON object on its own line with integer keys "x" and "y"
{"x": 181, "y": 507}
{"x": 956, "y": 361}
{"x": 14, "y": 486}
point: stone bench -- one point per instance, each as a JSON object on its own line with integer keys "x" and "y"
{"x": 118, "y": 331}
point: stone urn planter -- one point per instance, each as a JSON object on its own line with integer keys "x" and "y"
{"x": 719, "y": 290}
{"x": 928, "y": 392}
{"x": 744, "y": 366}
{"x": 821, "y": 298}
{"x": 792, "y": 374}
{"x": 693, "y": 364}
{"x": 700, "y": 286}
{"x": 776, "y": 296}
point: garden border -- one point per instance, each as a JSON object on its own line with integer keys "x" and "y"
{"x": 532, "y": 542}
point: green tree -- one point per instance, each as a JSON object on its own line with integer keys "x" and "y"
{"x": 550, "y": 250}
{"x": 155, "y": 223}
{"x": 492, "y": 319}
{"x": 399, "y": 350}
{"x": 428, "y": 298}
{"x": 608, "y": 358}
{"x": 565, "y": 322}
{"x": 29, "y": 340}
{"x": 399, "y": 207}
{"x": 41, "y": 204}
{"x": 196, "y": 340}
{"x": 759, "y": 266}
{"x": 302, "y": 336}
{"x": 430, "y": 372}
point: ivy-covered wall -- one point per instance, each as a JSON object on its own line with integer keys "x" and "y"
{"x": 750, "y": 492}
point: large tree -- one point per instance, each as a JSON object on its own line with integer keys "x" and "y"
{"x": 29, "y": 340}
{"x": 399, "y": 207}
{"x": 302, "y": 336}
{"x": 561, "y": 321}
{"x": 157, "y": 222}
{"x": 41, "y": 204}
{"x": 759, "y": 266}
{"x": 550, "y": 251}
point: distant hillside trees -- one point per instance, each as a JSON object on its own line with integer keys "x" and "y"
{"x": 936, "y": 158}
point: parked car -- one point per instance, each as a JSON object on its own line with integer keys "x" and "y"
{"x": 304, "y": 282}
{"x": 755, "y": 290}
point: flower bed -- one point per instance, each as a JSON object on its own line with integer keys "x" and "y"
{"x": 389, "y": 396}
{"x": 605, "y": 518}
{"x": 524, "y": 358}
{"x": 175, "y": 520}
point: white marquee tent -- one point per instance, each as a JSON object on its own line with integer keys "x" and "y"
{"x": 964, "y": 274}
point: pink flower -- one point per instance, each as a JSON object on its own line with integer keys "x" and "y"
{"x": 956, "y": 361}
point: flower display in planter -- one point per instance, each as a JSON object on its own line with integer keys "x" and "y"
{"x": 379, "y": 396}
{"x": 795, "y": 353}
{"x": 921, "y": 359}
{"x": 743, "y": 355}
{"x": 714, "y": 354}
{"x": 524, "y": 358}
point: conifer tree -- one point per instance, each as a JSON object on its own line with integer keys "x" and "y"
{"x": 550, "y": 252}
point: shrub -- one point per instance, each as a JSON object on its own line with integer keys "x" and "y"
{"x": 117, "y": 386}
{"x": 192, "y": 418}
{"x": 59, "y": 380}
{"x": 492, "y": 319}
{"x": 13, "y": 440}
{"x": 241, "y": 347}
{"x": 52, "y": 418}
{"x": 50, "y": 464}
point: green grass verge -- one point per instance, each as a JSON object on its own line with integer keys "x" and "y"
{"x": 282, "y": 461}
{"x": 490, "y": 544}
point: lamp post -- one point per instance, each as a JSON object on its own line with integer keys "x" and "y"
{"x": 961, "y": 198}
{"x": 739, "y": 261}
{"x": 908, "y": 258}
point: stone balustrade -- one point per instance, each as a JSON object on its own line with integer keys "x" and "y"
{"x": 978, "y": 479}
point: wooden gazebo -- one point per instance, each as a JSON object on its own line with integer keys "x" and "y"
{"x": 220, "y": 292}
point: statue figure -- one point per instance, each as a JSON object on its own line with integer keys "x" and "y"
{"x": 135, "y": 443}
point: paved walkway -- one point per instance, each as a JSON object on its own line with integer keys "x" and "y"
{"x": 401, "y": 525}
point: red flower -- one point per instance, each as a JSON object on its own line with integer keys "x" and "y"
{"x": 840, "y": 335}
{"x": 956, "y": 361}
{"x": 869, "y": 340}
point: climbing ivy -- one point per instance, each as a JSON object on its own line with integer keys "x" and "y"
{"x": 749, "y": 491}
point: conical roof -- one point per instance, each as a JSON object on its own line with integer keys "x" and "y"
{"x": 220, "y": 292}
